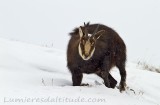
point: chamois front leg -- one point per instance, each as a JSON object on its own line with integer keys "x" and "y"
{"x": 105, "y": 71}
{"x": 76, "y": 77}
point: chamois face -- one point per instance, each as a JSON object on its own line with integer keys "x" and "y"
{"x": 87, "y": 43}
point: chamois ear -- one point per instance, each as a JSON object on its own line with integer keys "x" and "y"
{"x": 98, "y": 34}
{"x": 80, "y": 32}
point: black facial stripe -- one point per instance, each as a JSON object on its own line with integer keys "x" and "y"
{"x": 82, "y": 48}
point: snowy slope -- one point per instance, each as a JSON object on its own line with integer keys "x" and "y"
{"x": 39, "y": 75}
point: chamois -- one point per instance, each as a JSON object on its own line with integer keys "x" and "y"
{"x": 96, "y": 48}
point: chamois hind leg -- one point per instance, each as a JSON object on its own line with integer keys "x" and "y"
{"x": 113, "y": 82}
{"x": 121, "y": 67}
{"x": 77, "y": 78}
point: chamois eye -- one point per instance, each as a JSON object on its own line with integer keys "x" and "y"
{"x": 83, "y": 42}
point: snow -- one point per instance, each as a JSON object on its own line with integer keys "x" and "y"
{"x": 39, "y": 74}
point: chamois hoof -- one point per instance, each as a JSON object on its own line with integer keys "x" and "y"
{"x": 84, "y": 84}
{"x": 107, "y": 84}
{"x": 113, "y": 84}
{"x": 122, "y": 87}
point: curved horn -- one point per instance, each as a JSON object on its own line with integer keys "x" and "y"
{"x": 96, "y": 30}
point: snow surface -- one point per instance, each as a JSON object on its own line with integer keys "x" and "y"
{"x": 33, "y": 72}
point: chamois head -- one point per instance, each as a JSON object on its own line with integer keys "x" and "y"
{"x": 87, "y": 42}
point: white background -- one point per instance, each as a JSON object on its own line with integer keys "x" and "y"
{"x": 48, "y": 22}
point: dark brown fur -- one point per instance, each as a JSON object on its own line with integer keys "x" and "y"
{"x": 110, "y": 51}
